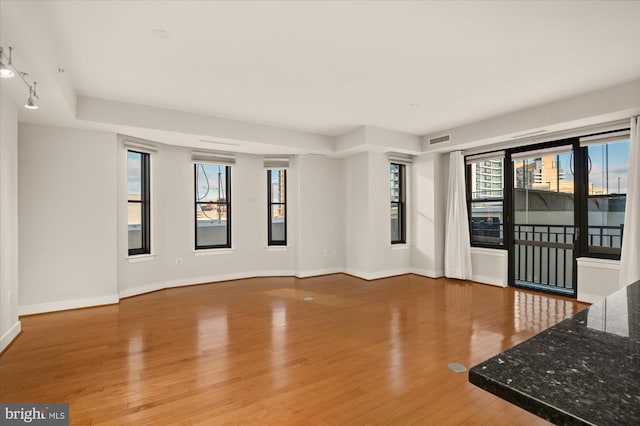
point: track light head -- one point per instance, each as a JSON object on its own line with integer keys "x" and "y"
{"x": 5, "y": 70}
{"x": 31, "y": 103}
{"x": 8, "y": 70}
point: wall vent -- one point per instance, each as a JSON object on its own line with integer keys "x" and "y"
{"x": 439, "y": 139}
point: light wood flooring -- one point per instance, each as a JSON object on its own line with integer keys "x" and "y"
{"x": 255, "y": 352}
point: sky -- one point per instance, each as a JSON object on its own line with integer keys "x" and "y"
{"x": 618, "y": 166}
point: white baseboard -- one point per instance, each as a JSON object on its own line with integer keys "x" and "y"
{"x": 141, "y": 289}
{"x": 316, "y": 272}
{"x": 11, "y": 334}
{"x": 489, "y": 280}
{"x": 429, "y": 273}
{"x": 377, "y": 275}
{"x": 147, "y": 288}
{"x": 63, "y": 305}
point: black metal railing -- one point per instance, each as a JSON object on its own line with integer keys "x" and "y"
{"x": 605, "y": 239}
{"x": 543, "y": 254}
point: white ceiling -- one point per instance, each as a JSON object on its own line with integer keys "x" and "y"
{"x": 327, "y": 67}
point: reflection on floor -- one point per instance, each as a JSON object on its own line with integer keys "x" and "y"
{"x": 254, "y": 351}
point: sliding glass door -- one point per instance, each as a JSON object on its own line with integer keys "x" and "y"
{"x": 544, "y": 232}
{"x": 550, "y": 203}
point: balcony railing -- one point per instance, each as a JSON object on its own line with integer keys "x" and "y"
{"x": 543, "y": 254}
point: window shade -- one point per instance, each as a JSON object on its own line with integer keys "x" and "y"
{"x": 276, "y": 163}
{"x": 140, "y": 147}
{"x": 541, "y": 152}
{"x": 604, "y": 138}
{"x": 400, "y": 160}
{"x": 213, "y": 158}
{"x": 495, "y": 155}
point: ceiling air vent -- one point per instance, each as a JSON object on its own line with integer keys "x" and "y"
{"x": 439, "y": 139}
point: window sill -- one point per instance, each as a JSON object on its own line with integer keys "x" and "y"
{"x": 599, "y": 262}
{"x": 277, "y": 248}
{"x": 403, "y": 246}
{"x": 213, "y": 252}
{"x": 141, "y": 258}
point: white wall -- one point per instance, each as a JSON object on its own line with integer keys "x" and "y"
{"x": 192, "y": 127}
{"x": 369, "y": 253}
{"x": 387, "y": 259}
{"x": 338, "y": 212}
{"x": 321, "y": 226}
{"x": 174, "y": 261}
{"x": 357, "y": 210}
{"x": 9, "y": 323}
{"x": 73, "y": 230}
{"x": 601, "y": 106}
{"x": 490, "y": 266}
{"x": 67, "y": 229}
{"x": 430, "y": 178}
{"x": 597, "y": 278}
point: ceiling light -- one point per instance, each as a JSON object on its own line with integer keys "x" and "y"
{"x": 5, "y": 71}
{"x": 31, "y": 103}
{"x": 8, "y": 70}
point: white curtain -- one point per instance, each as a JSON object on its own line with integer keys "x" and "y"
{"x": 630, "y": 257}
{"x": 457, "y": 248}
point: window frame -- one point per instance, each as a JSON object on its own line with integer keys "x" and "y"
{"x": 401, "y": 203}
{"x": 586, "y": 249}
{"x": 270, "y": 204}
{"x": 582, "y": 247}
{"x": 145, "y": 204}
{"x": 226, "y": 203}
{"x": 471, "y": 200}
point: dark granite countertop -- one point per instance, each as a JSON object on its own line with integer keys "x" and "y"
{"x": 583, "y": 370}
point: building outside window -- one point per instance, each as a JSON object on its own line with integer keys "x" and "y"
{"x": 138, "y": 203}
{"x": 212, "y": 206}
{"x": 485, "y": 197}
{"x": 398, "y": 203}
{"x": 277, "y": 207}
{"x": 607, "y": 166}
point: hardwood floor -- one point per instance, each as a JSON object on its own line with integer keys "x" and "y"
{"x": 255, "y": 352}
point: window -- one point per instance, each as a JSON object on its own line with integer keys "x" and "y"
{"x": 212, "y": 206}
{"x": 600, "y": 173}
{"x": 485, "y": 200}
{"x": 277, "y": 206}
{"x": 607, "y": 170}
{"x": 398, "y": 210}
{"x": 138, "y": 204}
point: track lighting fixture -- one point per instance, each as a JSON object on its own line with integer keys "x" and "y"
{"x": 5, "y": 71}
{"x": 9, "y": 70}
{"x": 31, "y": 104}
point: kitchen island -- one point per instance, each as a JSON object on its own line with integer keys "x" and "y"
{"x": 583, "y": 370}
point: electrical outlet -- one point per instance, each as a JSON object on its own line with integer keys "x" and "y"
{"x": 178, "y": 261}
